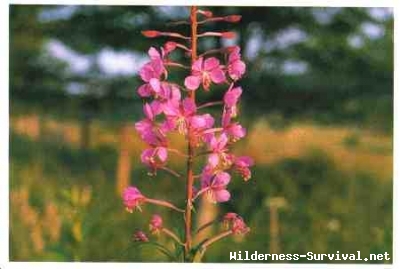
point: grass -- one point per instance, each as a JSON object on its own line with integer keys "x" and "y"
{"x": 338, "y": 194}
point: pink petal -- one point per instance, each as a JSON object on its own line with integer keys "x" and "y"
{"x": 213, "y": 159}
{"x": 226, "y": 118}
{"x": 244, "y": 161}
{"x": 146, "y": 72}
{"x": 144, "y": 90}
{"x": 217, "y": 76}
{"x": 192, "y": 82}
{"x": 171, "y": 109}
{"x": 175, "y": 93}
{"x": 154, "y": 54}
{"x": 157, "y": 68}
{"x": 148, "y": 111}
{"x": 223, "y": 140}
{"x": 156, "y": 107}
{"x": 236, "y": 130}
{"x": 197, "y": 122}
{"x": 155, "y": 84}
{"x": 232, "y": 97}
{"x": 212, "y": 141}
{"x": 189, "y": 107}
{"x": 237, "y": 69}
{"x": 146, "y": 154}
{"x": 211, "y": 63}
{"x": 198, "y": 65}
{"x": 167, "y": 126}
{"x": 143, "y": 126}
{"x": 162, "y": 154}
{"x": 235, "y": 54}
{"x": 209, "y": 121}
{"x": 222, "y": 196}
{"x": 221, "y": 179}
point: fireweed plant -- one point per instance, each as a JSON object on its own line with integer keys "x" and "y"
{"x": 170, "y": 107}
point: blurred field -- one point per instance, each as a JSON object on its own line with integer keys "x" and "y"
{"x": 334, "y": 182}
{"x": 351, "y": 149}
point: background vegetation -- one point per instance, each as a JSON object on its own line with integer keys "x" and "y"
{"x": 317, "y": 104}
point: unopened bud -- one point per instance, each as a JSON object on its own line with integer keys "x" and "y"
{"x": 205, "y": 13}
{"x": 233, "y": 18}
{"x": 151, "y": 33}
{"x": 140, "y": 236}
{"x": 228, "y": 35}
{"x": 230, "y": 48}
{"x": 170, "y": 46}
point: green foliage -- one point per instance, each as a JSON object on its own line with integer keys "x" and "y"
{"x": 338, "y": 74}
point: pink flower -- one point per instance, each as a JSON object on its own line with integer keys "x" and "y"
{"x": 204, "y": 121}
{"x": 151, "y": 73}
{"x": 154, "y": 157}
{"x": 231, "y": 98}
{"x": 155, "y": 55}
{"x": 132, "y": 198}
{"x": 236, "y": 67}
{"x": 242, "y": 164}
{"x": 140, "y": 236}
{"x": 178, "y": 114}
{"x": 151, "y": 133}
{"x": 235, "y": 223}
{"x": 205, "y": 72}
{"x": 215, "y": 186}
{"x": 148, "y": 129}
{"x": 218, "y": 149}
{"x": 152, "y": 110}
{"x": 156, "y": 223}
{"x": 234, "y": 131}
{"x": 153, "y": 69}
{"x": 165, "y": 95}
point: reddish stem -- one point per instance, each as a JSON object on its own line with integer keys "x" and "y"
{"x": 190, "y": 177}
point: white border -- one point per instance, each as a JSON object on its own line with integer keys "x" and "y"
{"x": 344, "y": 3}
{"x": 4, "y": 123}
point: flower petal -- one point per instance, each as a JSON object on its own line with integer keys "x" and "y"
{"x": 198, "y": 65}
{"x": 162, "y": 154}
{"x": 231, "y": 97}
{"x": 144, "y": 90}
{"x": 217, "y": 76}
{"x": 213, "y": 159}
{"x": 211, "y": 63}
{"x": 222, "y": 196}
{"x": 155, "y": 84}
{"x": 192, "y": 82}
{"x": 221, "y": 179}
{"x": 189, "y": 106}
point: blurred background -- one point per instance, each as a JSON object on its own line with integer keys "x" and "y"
{"x": 317, "y": 104}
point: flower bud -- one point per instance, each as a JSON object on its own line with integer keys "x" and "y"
{"x": 170, "y": 46}
{"x": 205, "y": 13}
{"x": 156, "y": 223}
{"x": 151, "y": 33}
{"x": 140, "y": 236}
{"x": 233, "y": 18}
{"x": 232, "y": 221}
{"x": 228, "y": 35}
